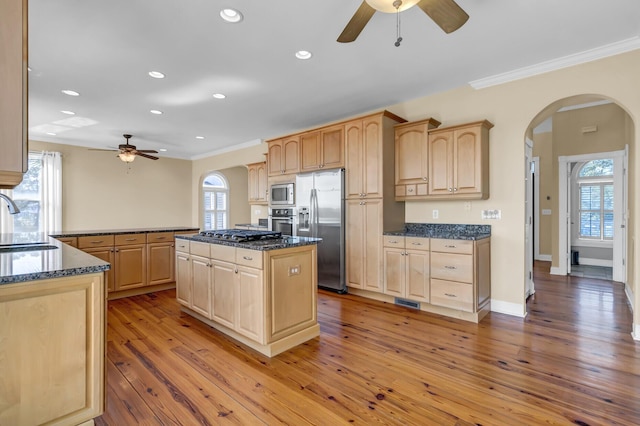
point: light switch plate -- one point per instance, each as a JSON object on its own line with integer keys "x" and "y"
{"x": 492, "y": 214}
{"x": 435, "y": 214}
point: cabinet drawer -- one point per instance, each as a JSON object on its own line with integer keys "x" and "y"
{"x": 251, "y": 258}
{"x": 72, "y": 241}
{"x": 159, "y": 237}
{"x": 182, "y": 245}
{"x": 127, "y": 239}
{"x": 416, "y": 243}
{"x": 452, "y": 295}
{"x": 452, "y": 246}
{"x": 223, "y": 253}
{"x": 95, "y": 241}
{"x": 452, "y": 267}
{"x": 199, "y": 249}
{"x": 393, "y": 241}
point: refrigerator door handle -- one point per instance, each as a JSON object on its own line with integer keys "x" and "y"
{"x": 313, "y": 216}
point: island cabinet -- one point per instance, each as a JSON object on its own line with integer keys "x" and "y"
{"x": 370, "y": 205}
{"x": 322, "y": 149}
{"x": 265, "y": 299}
{"x": 412, "y": 158}
{"x": 257, "y": 176}
{"x": 283, "y": 156}
{"x": 459, "y": 161}
{"x": 14, "y": 92}
{"x": 460, "y": 274}
{"x": 406, "y": 267}
{"x": 53, "y": 351}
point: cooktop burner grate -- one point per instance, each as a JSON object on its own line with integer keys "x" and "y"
{"x": 240, "y": 234}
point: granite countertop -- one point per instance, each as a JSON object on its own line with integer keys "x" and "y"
{"x": 262, "y": 245}
{"x": 124, "y": 231}
{"x": 40, "y": 264}
{"x": 444, "y": 231}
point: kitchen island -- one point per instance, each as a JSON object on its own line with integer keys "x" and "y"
{"x": 262, "y": 293}
{"x": 52, "y": 333}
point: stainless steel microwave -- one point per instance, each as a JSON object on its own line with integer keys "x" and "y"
{"x": 281, "y": 194}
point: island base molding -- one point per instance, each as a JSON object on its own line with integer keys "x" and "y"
{"x": 271, "y": 349}
{"x": 140, "y": 290}
{"x": 476, "y": 317}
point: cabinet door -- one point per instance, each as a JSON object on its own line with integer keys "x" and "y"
{"x": 261, "y": 176}
{"x": 201, "y": 270}
{"x": 467, "y": 161}
{"x": 372, "y": 157}
{"x": 354, "y": 243}
{"x": 417, "y": 275}
{"x": 250, "y": 303}
{"x": 130, "y": 270}
{"x": 354, "y": 161}
{"x": 183, "y": 279}
{"x": 394, "y": 272}
{"x": 411, "y": 148}
{"x": 440, "y": 164}
{"x": 310, "y": 152}
{"x": 160, "y": 263}
{"x": 275, "y": 156}
{"x": 106, "y": 254}
{"x": 291, "y": 160}
{"x": 372, "y": 254}
{"x": 332, "y": 147}
{"x": 224, "y": 297}
{"x": 252, "y": 177}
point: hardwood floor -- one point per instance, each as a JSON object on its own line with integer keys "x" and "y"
{"x": 570, "y": 361}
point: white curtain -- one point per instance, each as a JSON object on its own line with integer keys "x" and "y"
{"x": 51, "y": 193}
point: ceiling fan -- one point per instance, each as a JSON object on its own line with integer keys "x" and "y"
{"x": 446, "y": 13}
{"x": 129, "y": 152}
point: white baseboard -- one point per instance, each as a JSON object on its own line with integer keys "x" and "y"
{"x": 544, "y": 257}
{"x": 636, "y": 332}
{"x": 595, "y": 262}
{"x": 508, "y": 308}
{"x": 557, "y": 271}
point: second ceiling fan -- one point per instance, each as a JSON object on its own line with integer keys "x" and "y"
{"x": 446, "y": 13}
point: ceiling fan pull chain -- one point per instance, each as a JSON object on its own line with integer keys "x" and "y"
{"x": 397, "y": 4}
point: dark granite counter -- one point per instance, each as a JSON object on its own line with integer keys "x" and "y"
{"x": 124, "y": 231}
{"x": 53, "y": 260}
{"x": 262, "y": 245}
{"x": 445, "y": 231}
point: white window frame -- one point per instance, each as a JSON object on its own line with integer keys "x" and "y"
{"x": 214, "y": 191}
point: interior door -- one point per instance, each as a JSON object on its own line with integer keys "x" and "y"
{"x": 528, "y": 223}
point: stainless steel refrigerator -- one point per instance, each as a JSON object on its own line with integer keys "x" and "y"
{"x": 320, "y": 204}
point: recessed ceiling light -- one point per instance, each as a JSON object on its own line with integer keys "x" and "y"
{"x": 68, "y": 112}
{"x": 219, "y": 96}
{"x": 51, "y": 133}
{"x": 199, "y": 137}
{"x": 156, "y": 74}
{"x": 231, "y": 15}
{"x": 155, "y": 111}
{"x": 163, "y": 150}
{"x": 303, "y": 54}
{"x": 71, "y": 92}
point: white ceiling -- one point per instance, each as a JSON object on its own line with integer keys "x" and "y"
{"x": 104, "y": 50}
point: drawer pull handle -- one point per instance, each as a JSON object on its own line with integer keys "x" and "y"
{"x": 449, "y": 267}
{"x": 448, "y": 246}
{"x": 130, "y": 239}
{"x": 247, "y": 257}
{"x": 97, "y": 242}
{"x": 450, "y": 295}
{"x": 160, "y": 238}
{"x": 410, "y": 189}
{"x": 417, "y": 244}
{"x": 393, "y": 242}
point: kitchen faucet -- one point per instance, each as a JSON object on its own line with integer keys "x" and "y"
{"x": 13, "y": 209}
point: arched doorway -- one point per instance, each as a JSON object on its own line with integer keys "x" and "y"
{"x": 563, "y": 136}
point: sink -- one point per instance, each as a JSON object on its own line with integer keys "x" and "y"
{"x": 11, "y": 248}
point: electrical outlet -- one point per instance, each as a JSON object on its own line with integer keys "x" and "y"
{"x": 435, "y": 214}
{"x": 467, "y": 205}
{"x": 294, "y": 270}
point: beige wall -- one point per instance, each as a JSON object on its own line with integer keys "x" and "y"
{"x": 99, "y": 193}
{"x": 542, "y": 148}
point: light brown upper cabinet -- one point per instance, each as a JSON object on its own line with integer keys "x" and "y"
{"x": 257, "y": 174}
{"x": 283, "y": 155}
{"x": 459, "y": 161}
{"x": 412, "y": 157}
{"x": 322, "y": 149}
{"x": 14, "y": 92}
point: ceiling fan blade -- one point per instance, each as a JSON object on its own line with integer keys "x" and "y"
{"x": 446, "y": 13}
{"x": 142, "y": 154}
{"x": 148, "y": 151}
{"x": 357, "y": 23}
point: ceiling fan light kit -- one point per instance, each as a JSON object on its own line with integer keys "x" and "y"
{"x": 127, "y": 157}
{"x": 127, "y": 152}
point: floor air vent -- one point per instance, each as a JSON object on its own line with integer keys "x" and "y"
{"x": 407, "y": 303}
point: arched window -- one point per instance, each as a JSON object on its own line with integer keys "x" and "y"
{"x": 595, "y": 192}
{"x": 215, "y": 191}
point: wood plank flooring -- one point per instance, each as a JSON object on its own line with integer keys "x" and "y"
{"x": 571, "y": 361}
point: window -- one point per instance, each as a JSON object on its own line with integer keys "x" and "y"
{"x": 216, "y": 201}
{"x": 595, "y": 192}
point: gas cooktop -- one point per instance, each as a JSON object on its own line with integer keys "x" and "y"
{"x": 240, "y": 234}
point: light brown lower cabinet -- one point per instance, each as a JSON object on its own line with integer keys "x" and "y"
{"x": 265, "y": 299}
{"x": 52, "y": 347}
{"x": 130, "y": 261}
{"x": 406, "y": 267}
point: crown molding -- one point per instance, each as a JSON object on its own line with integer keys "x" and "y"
{"x": 612, "y": 49}
{"x": 247, "y": 144}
